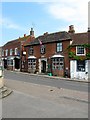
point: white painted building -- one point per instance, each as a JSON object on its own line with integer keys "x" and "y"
{"x": 79, "y": 62}
{"x": 80, "y": 71}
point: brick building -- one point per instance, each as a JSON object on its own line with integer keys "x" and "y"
{"x": 12, "y": 52}
{"x": 48, "y": 53}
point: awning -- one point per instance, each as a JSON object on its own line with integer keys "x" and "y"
{"x": 31, "y": 57}
{"x": 57, "y": 56}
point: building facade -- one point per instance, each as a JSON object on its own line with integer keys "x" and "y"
{"x": 79, "y": 54}
{"x": 48, "y": 54}
{"x": 12, "y": 52}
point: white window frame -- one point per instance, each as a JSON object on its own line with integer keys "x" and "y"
{"x": 2, "y": 52}
{"x": 11, "y": 51}
{"x": 32, "y": 63}
{"x": 60, "y": 46}
{"x": 6, "y": 52}
{"x": 42, "y": 49}
{"x": 58, "y": 63}
{"x": 16, "y": 51}
{"x": 80, "y": 54}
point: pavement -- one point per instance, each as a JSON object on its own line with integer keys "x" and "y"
{"x": 55, "y": 77}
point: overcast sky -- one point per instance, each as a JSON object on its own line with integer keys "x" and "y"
{"x": 17, "y": 17}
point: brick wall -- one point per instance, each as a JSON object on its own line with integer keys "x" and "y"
{"x": 50, "y": 51}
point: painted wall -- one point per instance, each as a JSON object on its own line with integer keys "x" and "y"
{"x": 74, "y": 74}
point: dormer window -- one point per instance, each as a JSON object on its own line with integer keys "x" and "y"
{"x": 42, "y": 49}
{"x": 80, "y": 50}
{"x": 59, "y": 47}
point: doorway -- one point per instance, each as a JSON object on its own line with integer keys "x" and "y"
{"x": 5, "y": 64}
{"x": 43, "y": 66}
{"x": 17, "y": 63}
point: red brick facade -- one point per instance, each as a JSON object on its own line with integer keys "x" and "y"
{"x": 12, "y": 52}
{"x": 50, "y": 50}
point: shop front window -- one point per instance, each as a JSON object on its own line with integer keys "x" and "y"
{"x": 80, "y": 66}
{"x": 10, "y": 62}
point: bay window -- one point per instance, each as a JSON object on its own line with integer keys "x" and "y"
{"x": 57, "y": 63}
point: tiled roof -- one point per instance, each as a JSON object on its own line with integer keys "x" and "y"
{"x": 79, "y": 38}
{"x": 17, "y": 40}
{"x": 48, "y": 38}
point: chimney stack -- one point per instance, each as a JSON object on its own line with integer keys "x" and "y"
{"x": 71, "y": 29}
{"x": 46, "y": 33}
{"x": 24, "y": 35}
{"x": 32, "y": 32}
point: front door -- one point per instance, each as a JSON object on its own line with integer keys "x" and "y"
{"x": 17, "y": 63}
{"x": 43, "y": 69}
{"x": 5, "y": 64}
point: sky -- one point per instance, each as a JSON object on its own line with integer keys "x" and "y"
{"x": 17, "y": 17}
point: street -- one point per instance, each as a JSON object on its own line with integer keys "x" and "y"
{"x": 30, "y": 100}
{"x": 41, "y": 97}
{"x": 59, "y": 83}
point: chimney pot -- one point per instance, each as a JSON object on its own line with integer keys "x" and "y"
{"x": 71, "y": 29}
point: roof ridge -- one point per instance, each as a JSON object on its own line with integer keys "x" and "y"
{"x": 52, "y": 33}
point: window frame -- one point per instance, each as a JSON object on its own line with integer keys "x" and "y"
{"x": 32, "y": 64}
{"x": 6, "y": 52}
{"x": 82, "y": 69}
{"x": 31, "y": 50}
{"x": 42, "y": 49}
{"x": 56, "y": 63}
{"x": 59, "y": 47}
{"x": 80, "y": 54}
{"x": 11, "y": 51}
{"x": 16, "y": 51}
{"x": 10, "y": 62}
{"x": 2, "y": 53}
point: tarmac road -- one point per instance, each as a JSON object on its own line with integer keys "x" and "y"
{"x": 46, "y": 80}
{"x": 30, "y": 100}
